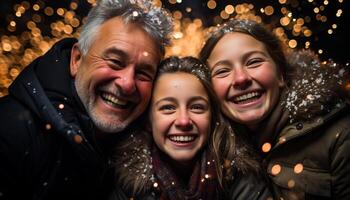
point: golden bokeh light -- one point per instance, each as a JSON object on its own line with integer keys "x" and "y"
{"x": 211, "y": 4}
{"x": 298, "y": 168}
{"x": 291, "y": 183}
{"x": 276, "y": 169}
{"x": 177, "y": 14}
{"x": 284, "y": 21}
{"x": 35, "y": 27}
{"x": 347, "y": 86}
{"x": 269, "y": 10}
{"x": 49, "y": 11}
{"x": 229, "y": 9}
{"x": 292, "y": 43}
{"x": 224, "y": 15}
{"x": 73, "y": 5}
{"x": 61, "y": 106}
{"x": 48, "y": 126}
{"x": 78, "y": 139}
{"x": 307, "y": 32}
{"x": 316, "y": 10}
{"x": 282, "y": 1}
{"x": 60, "y": 11}
{"x": 12, "y": 23}
{"x": 36, "y": 7}
{"x": 266, "y": 147}
{"x": 339, "y": 13}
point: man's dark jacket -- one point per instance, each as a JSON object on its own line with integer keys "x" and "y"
{"x": 47, "y": 144}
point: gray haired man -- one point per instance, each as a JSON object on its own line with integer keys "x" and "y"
{"x": 65, "y": 111}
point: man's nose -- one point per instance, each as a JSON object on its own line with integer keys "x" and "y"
{"x": 126, "y": 80}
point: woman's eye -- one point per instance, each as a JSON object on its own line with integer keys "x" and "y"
{"x": 254, "y": 62}
{"x": 167, "y": 107}
{"x": 198, "y": 108}
{"x": 221, "y": 72}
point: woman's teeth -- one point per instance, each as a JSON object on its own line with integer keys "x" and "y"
{"x": 247, "y": 97}
{"x": 186, "y": 138}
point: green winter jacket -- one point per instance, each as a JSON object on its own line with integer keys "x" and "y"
{"x": 309, "y": 133}
{"x": 311, "y": 160}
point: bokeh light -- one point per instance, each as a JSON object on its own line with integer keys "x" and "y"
{"x": 29, "y": 28}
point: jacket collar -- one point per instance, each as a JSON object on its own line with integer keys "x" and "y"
{"x": 300, "y": 129}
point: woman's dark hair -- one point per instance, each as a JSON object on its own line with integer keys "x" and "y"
{"x": 271, "y": 42}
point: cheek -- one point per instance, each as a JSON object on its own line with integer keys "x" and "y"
{"x": 96, "y": 76}
{"x": 220, "y": 87}
{"x": 145, "y": 89}
{"x": 267, "y": 76}
{"x": 159, "y": 124}
{"x": 203, "y": 123}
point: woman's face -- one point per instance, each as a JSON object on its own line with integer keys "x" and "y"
{"x": 180, "y": 116}
{"x": 245, "y": 78}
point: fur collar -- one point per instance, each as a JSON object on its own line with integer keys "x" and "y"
{"x": 312, "y": 87}
{"x": 133, "y": 163}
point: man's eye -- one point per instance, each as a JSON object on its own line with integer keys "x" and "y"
{"x": 144, "y": 76}
{"x": 114, "y": 63}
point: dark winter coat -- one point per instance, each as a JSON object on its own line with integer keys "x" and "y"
{"x": 135, "y": 174}
{"x": 310, "y": 154}
{"x": 47, "y": 145}
{"x": 314, "y": 158}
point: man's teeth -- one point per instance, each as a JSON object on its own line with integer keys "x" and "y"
{"x": 113, "y": 100}
{"x": 186, "y": 138}
{"x": 247, "y": 96}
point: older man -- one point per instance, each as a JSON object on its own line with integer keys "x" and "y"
{"x": 66, "y": 109}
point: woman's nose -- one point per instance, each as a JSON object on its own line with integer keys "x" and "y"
{"x": 183, "y": 121}
{"x": 241, "y": 79}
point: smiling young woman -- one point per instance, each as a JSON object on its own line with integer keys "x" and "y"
{"x": 288, "y": 104}
{"x": 193, "y": 154}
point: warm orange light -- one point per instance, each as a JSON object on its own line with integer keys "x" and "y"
{"x": 276, "y": 169}
{"x": 266, "y": 147}
{"x": 298, "y": 168}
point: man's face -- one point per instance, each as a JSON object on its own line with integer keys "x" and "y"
{"x": 114, "y": 79}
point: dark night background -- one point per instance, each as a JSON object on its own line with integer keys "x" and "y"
{"x": 21, "y": 42}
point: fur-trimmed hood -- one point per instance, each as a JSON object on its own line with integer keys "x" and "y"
{"x": 133, "y": 163}
{"x": 135, "y": 172}
{"x": 313, "y": 88}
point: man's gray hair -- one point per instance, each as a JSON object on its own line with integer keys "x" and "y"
{"x": 154, "y": 20}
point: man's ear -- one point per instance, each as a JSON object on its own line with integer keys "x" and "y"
{"x": 75, "y": 59}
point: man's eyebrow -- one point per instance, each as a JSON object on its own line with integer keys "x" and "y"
{"x": 151, "y": 68}
{"x": 115, "y": 51}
